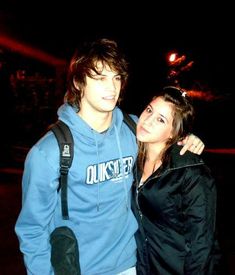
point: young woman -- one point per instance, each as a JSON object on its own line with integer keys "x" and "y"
{"x": 175, "y": 196}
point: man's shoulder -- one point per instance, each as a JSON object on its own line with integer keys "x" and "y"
{"x": 134, "y": 117}
{"x": 45, "y": 149}
{"x": 46, "y": 143}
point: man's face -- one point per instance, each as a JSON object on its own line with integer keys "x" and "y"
{"x": 102, "y": 90}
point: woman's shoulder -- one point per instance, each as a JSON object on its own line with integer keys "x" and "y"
{"x": 187, "y": 159}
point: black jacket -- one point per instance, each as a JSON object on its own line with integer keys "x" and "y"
{"x": 176, "y": 211}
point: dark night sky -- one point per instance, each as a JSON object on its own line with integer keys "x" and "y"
{"x": 147, "y": 33}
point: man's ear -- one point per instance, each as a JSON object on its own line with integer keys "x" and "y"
{"x": 76, "y": 84}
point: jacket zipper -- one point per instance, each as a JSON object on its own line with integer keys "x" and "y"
{"x": 137, "y": 203}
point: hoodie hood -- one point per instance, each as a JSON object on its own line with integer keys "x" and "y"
{"x": 68, "y": 114}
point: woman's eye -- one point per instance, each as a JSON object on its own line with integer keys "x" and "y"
{"x": 161, "y": 120}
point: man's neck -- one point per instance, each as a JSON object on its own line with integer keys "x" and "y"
{"x": 99, "y": 121}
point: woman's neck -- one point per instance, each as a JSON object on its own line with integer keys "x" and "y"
{"x": 153, "y": 160}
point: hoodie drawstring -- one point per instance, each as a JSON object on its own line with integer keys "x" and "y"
{"x": 98, "y": 160}
{"x": 122, "y": 166}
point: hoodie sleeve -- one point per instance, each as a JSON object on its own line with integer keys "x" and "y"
{"x": 199, "y": 201}
{"x": 39, "y": 198}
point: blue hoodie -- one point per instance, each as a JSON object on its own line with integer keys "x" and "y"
{"x": 99, "y": 184}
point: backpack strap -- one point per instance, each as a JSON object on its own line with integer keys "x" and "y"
{"x": 129, "y": 122}
{"x": 65, "y": 140}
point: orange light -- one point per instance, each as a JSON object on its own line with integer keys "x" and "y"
{"x": 172, "y": 57}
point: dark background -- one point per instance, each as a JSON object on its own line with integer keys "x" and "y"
{"x": 147, "y": 32}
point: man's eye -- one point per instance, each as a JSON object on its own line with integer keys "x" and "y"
{"x": 118, "y": 78}
{"x": 100, "y": 78}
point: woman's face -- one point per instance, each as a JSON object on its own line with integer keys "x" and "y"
{"x": 155, "y": 122}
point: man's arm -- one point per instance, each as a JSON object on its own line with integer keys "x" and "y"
{"x": 193, "y": 144}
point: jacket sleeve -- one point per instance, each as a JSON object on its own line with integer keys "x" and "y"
{"x": 39, "y": 198}
{"x": 199, "y": 208}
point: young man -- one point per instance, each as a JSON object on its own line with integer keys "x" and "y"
{"x": 100, "y": 177}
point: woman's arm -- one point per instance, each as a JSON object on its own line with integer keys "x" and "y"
{"x": 199, "y": 207}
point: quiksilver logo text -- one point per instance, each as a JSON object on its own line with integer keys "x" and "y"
{"x": 110, "y": 170}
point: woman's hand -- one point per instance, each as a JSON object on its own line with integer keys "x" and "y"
{"x": 193, "y": 144}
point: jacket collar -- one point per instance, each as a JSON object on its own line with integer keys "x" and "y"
{"x": 176, "y": 161}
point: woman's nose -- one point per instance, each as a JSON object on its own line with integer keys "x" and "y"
{"x": 148, "y": 120}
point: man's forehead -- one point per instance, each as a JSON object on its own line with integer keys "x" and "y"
{"x": 102, "y": 66}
